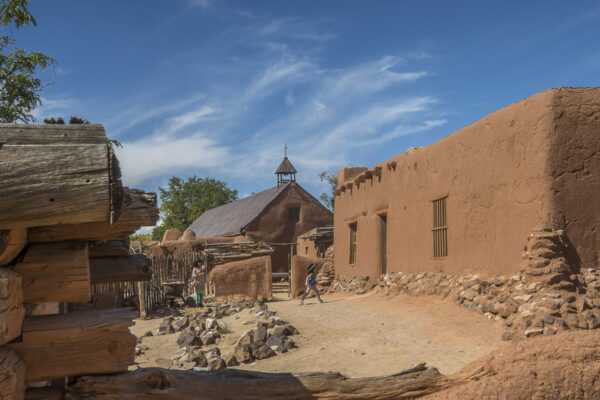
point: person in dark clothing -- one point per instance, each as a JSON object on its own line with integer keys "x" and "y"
{"x": 311, "y": 284}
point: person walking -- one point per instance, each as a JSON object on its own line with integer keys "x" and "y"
{"x": 311, "y": 284}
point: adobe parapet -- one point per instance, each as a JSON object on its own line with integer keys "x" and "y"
{"x": 466, "y": 202}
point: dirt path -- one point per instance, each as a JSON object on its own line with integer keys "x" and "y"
{"x": 362, "y": 336}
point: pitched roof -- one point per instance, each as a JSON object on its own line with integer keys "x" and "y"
{"x": 286, "y": 167}
{"x": 231, "y": 218}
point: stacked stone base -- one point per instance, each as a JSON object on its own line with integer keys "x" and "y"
{"x": 551, "y": 293}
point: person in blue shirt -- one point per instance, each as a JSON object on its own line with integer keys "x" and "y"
{"x": 311, "y": 284}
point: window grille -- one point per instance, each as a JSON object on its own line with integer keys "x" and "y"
{"x": 440, "y": 228}
{"x": 352, "y": 243}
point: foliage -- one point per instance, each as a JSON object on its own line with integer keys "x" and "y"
{"x": 223, "y": 330}
{"x": 19, "y": 87}
{"x": 332, "y": 181}
{"x": 184, "y": 201}
{"x": 143, "y": 238}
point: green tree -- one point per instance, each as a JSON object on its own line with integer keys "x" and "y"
{"x": 332, "y": 181}
{"x": 19, "y": 86}
{"x": 184, "y": 201}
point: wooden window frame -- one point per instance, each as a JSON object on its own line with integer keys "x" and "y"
{"x": 440, "y": 227}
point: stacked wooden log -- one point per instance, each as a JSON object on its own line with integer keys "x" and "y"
{"x": 65, "y": 220}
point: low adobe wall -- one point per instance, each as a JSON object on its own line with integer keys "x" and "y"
{"x": 299, "y": 271}
{"x": 249, "y": 278}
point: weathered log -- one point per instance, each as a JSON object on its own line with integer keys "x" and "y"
{"x": 56, "y": 174}
{"x": 11, "y": 243}
{"x": 12, "y": 311}
{"x": 109, "y": 248}
{"x": 161, "y": 384}
{"x": 45, "y": 393}
{"x": 142, "y": 297}
{"x": 91, "y": 342}
{"x": 135, "y": 267}
{"x": 139, "y": 210}
{"x": 12, "y": 375}
{"x": 56, "y": 272}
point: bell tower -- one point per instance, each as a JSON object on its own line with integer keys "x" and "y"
{"x": 286, "y": 171}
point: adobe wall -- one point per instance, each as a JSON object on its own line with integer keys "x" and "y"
{"x": 495, "y": 174}
{"x": 300, "y": 271}
{"x": 274, "y": 226}
{"x": 574, "y": 166}
{"x": 307, "y": 247}
{"x": 250, "y": 278}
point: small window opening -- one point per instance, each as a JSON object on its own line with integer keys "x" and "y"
{"x": 294, "y": 213}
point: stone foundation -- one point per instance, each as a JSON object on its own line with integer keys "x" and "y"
{"x": 549, "y": 294}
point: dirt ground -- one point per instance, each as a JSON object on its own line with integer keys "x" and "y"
{"x": 359, "y": 336}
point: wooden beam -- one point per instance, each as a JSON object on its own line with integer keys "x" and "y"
{"x": 136, "y": 267}
{"x": 56, "y": 272}
{"x": 12, "y": 375}
{"x": 51, "y": 174}
{"x": 12, "y": 311}
{"x": 139, "y": 210}
{"x": 45, "y": 393}
{"x": 161, "y": 384}
{"x": 11, "y": 243}
{"x": 91, "y": 342}
{"x": 109, "y": 248}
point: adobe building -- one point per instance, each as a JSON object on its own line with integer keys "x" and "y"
{"x": 276, "y": 216}
{"x": 468, "y": 202}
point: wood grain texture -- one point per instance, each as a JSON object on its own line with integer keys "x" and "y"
{"x": 91, "y": 342}
{"x": 109, "y": 248}
{"x": 45, "y": 393}
{"x": 135, "y": 267}
{"x": 12, "y": 375}
{"x": 139, "y": 210}
{"x": 56, "y": 272}
{"x": 53, "y": 175}
{"x": 161, "y": 384}
{"x": 12, "y": 310}
{"x": 11, "y": 243}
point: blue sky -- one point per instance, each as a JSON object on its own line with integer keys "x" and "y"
{"x": 216, "y": 88}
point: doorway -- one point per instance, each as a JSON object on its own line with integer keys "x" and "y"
{"x": 383, "y": 241}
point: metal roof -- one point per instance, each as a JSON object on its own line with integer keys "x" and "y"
{"x": 230, "y": 219}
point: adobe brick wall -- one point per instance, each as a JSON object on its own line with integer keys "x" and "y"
{"x": 531, "y": 163}
{"x": 249, "y": 278}
{"x": 299, "y": 272}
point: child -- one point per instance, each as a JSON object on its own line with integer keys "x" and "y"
{"x": 311, "y": 284}
{"x": 198, "y": 282}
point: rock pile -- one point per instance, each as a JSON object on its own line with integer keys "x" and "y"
{"x": 202, "y": 337}
{"x": 551, "y": 292}
{"x": 355, "y": 284}
{"x": 327, "y": 273}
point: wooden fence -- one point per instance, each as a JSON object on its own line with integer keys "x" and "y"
{"x": 165, "y": 268}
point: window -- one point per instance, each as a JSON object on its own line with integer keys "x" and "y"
{"x": 306, "y": 250}
{"x": 440, "y": 228}
{"x": 352, "y": 243}
{"x": 383, "y": 242}
{"x": 294, "y": 213}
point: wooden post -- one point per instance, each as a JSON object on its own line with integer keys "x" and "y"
{"x": 142, "y": 298}
{"x": 12, "y": 311}
{"x": 56, "y": 272}
{"x": 56, "y": 174}
{"x": 12, "y": 375}
{"x": 91, "y": 342}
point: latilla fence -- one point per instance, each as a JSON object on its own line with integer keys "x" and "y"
{"x": 165, "y": 268}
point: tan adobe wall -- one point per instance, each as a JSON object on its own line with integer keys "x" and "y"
{"x": 300, "y": 271}
{"x": 306, "y": 248}
{"x": 574, "y": 166}
{"x": 498, "y": 179}
{"x": 250, "y": 278}
{"x": 274, "y": 226}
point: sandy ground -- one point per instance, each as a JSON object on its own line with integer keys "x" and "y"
{"x": 359, "y": 336}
